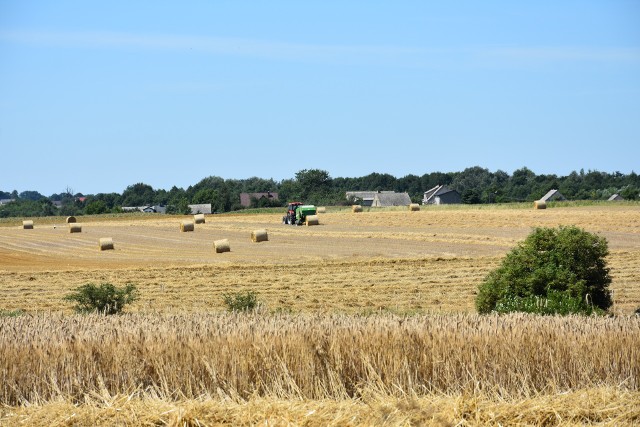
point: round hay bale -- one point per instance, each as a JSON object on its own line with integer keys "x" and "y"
{"x": 321, "y": 209}
{"x": 312, "y": 220}
{"x": 222, "y": 245}
{"x": 259, "y": 236}
{"x": 413, "y": 207}
{"x": 71, "y": 219}
{"x": 27, "y": 225}
{"x": 356, "y": 208}
{"x": 199, "y": 219}
{"x": 186, "y": 226}
{"x": 540, "y": 204}
{"x": 75, "y": 228}
{"x": 105, "y": 243}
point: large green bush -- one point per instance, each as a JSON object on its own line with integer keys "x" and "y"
{"x": 105, "y": 299}
{"x": 554, "y": 271}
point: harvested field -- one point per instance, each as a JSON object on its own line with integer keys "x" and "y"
{"x": 426, "y": 261}
{"x": 340, "y": 348}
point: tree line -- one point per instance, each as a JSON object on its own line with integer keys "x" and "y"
{"x": 477, "y": 185}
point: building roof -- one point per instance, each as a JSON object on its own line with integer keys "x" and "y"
{"x": 204, "y": 208}
{"x": 615, "y": 197}
{"x": 391, "y": 199}
{"x": 438, "y": 190}
{"x": 552, "y": 195}
{"x": 366, "y": 195}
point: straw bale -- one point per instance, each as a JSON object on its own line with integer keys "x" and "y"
{"x": 222, "y": 245}
{"x": 259, "y": 236}
{"x": 71, "y": 219}
{"x": 413, "y": 207}
{"x": 540, "y": 204}
{"x": 199, "y": 219}
{"x": 75, "y": 228}
{"x": 186, "y": 226}
{"x": 312, "y": 220}
{"x": 356, "y": 208}
{"x": 105, "y": 243}
{"x": 321, "y": 209}
{"x": 27, "y": 225}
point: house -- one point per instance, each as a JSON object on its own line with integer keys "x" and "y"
{"x": 616, "y": 197}
{"x": 245, "y": 198}
{"x": 384, "y": 199}
{"x": 5, "y": 201}
{"x": 147, "y": 209}
{"x": 201, "y": 209}
{"x": 365, "y": 197}
{"x": 441, "y": 195}
{"x": 552, "y": 195}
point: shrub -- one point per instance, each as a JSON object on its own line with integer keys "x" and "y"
{"x": 11, "y": 313}
{"x": 106, "y": 298}
{"x": 241, "y": 301}
{"x": 554, "y": 271}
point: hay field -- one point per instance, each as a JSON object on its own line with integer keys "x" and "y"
{"x": 339, "y": 349}
{"x": 426, "y": 261}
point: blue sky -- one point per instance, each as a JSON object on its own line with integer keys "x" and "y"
{"x": 97, "y": 96}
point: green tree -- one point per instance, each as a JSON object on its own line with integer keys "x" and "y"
{"x": 630, "y": 192}
{"x": 96, "y": 207}
{"x": 105, "y": 299}
{"x": 558, "y": 264}
{"x": 138, "y": 195}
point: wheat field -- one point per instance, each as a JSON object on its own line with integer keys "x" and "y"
{"x": 365, "y": 319}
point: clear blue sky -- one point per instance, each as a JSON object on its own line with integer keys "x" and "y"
{"x": 97, "y": 96}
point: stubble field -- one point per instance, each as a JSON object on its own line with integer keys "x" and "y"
{"x": 373, "y": 324}
{"x": 426, "y": 261}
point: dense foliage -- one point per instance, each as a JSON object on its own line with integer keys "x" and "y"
{"x": 554, "y": 271}
{"x": 104, "y": 299}
{"x": 475, "y": 184}
{"x": 241, "y": 301}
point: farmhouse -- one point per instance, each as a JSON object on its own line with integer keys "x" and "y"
{"x": 245, "y": 198}
{"x": 146, "y": 208}
{"x": 365, "y": 197}
{"x": 201, "y": 209}
{"x": 616, "y": 197}
{"x": 552, "y": 195}
{"x": 385, "y": 199}
{"x": 441, "y": 195}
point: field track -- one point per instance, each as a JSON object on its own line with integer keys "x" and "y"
{"x": 426, "y": 261}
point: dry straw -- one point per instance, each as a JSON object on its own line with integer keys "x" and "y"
{"x": 105, "y": 243}
{"x": 356, "y": 208}
{"x": 315, "y": 356}
{"x": 259, "y": 236}
{"x": 71, "y": 219}
{"x": 75, "y": 228}
{"x": 413, "y": 207}
{"x": 186, "y": 226}
{"x": 540, "y": 204}
{"x": 312, "y": 220}
{"x": 321, "y": 209}
{"x": 221, "y": 246}
{"x": 27, "y": 225}
{"x": 199, "y": 219}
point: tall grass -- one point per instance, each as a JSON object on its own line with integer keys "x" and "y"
{"x": 44, "y": 358}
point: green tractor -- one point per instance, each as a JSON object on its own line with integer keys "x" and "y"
{"x": 298, "y": 214}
